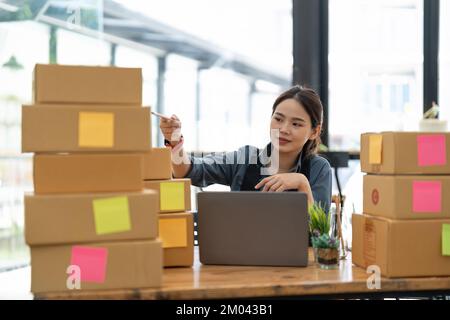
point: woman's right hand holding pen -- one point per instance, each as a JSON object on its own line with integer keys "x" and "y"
{"x": 171, "y": 129}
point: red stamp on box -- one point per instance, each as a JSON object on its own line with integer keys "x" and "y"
{"x": 375, "y": 196}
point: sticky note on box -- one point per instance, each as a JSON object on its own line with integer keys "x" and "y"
{"x": 92, "y": 262}
{"x": 172, "y": 196}
{"x": 427, "y": 196}
{"x": 431, "y": 150}
{"x": 111, "y": 215}
{"x": 375, "y": 148}
{"x": 173, "y": 232}
{"x": 96, "y": 129}
{"x": 446, "y": 239}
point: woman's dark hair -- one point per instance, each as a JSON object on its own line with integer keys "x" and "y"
{"x": 310, "y": 100}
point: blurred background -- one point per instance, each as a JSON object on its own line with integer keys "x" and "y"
{"x": 219, "y": 65}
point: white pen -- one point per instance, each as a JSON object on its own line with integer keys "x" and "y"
{"x": 161, "y": 115}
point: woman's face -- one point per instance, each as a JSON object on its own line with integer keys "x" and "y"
{"x": 291, "y": 127}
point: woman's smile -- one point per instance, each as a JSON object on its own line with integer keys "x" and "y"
{"x": 283, "y": 141}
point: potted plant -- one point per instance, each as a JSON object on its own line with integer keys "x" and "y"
{"x": 326, "y": 246}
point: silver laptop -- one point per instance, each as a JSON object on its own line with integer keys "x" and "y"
{"x": 253, "y": 228}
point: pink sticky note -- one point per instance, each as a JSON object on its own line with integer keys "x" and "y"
{"x": 427, "y": 196}
{"x": 92, "y": 262}
{"x": 431, "y": 150}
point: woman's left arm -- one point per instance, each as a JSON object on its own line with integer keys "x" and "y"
{"x": 321, "y": 183}
{"x": 317, "y": 190}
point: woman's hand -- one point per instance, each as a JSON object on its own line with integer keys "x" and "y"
{"x": 171, "y": 129}
{"x": 286, "y": 181}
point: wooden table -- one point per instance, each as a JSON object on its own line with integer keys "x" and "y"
{"x": 229, "y": 282}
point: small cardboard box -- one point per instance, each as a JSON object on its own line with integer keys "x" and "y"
{"x": 405, "y": 153}
{"x": 90, "y": 172}
{"x": 174, "y": 195}
{"x": 402, "y": 248}
{"x": 158, "y": 164}
{"x": 176, "y": 231}
{"x": 87, "y": 84}
{"x": 407, "y": 197}
{"x": 92, "y": 217}
{"x": 75, "y": 129}
{"x": 109, "y": 265}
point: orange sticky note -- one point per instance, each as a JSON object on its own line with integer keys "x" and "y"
{"x": 96, "y": 129}
{"x": 375, "y": 148}
{"x": 173, "y": 232}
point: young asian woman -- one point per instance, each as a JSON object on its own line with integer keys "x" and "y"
{"x": 288, "y": 163}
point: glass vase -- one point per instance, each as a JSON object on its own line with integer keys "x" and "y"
{"x": 328, "y": 258}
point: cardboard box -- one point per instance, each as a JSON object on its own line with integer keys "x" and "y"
{"x": 73, "y": 129}
{"x": 407, "y": 197}
{"x": 79, "y": 218}
{"x": 110, "y": 265}
{"x": 86, "y": 105}
{"x": 158, "y": 164}
{"x": 402, "y": 248}
{"x": 87, "y": 84}
{"x": 174, "y": 195}
{"x": 176, "y": 231}
{"x": 90, "y": 172}
{"x": 405, "y": 153}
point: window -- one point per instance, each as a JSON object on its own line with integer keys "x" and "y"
{"x": 220, "y": 68}
{"x": 375, "y": 68}
{"x": 219, "y": 55}
{"x": 23, "y": 44}
{"x": 76, "y": 49}
{"x": 444, "y": 61}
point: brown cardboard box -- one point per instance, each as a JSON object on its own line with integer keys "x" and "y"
{"x": 176, "y": 231}
{"x": 72, "y": 129}
{"x": 174, "y": 195}
{"x": 401, "y": 248}
{"x": 92, "y": 217}
{"x": 157, "y": 164}
{"x": 110, "y": 265}
{"x": 405, "y": 153}
{"x": 90, "y": 172}
{"x": 407, "y": 197}
{"x": 86, "y": 105}
{"x": 87, "y": 84}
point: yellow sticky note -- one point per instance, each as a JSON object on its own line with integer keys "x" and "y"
{"x": 173, "y": 232}
{"x": 446, "y": 239}
{"x": 111, "y": 215}
{"x": 375, "y": 148}
{"x": 171, "y": 196}
{"x": 96, "y": 129}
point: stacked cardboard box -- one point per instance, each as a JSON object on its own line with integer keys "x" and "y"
{"x": 176, "y": 223}
{"x": 405, "y": 228}
{"x": 89, "y": 223}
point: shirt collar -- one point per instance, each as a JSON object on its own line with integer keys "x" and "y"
{"x": 265, "y": 155}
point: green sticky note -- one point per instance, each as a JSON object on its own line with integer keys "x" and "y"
{"x": 111, "y": 215}
{"x": 172, "y": 196}
{"x": 446, "y": 239}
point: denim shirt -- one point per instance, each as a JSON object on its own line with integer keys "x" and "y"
{"x": 229, "y": 169}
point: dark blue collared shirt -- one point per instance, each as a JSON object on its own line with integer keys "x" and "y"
{"x": 230, "y": 169}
